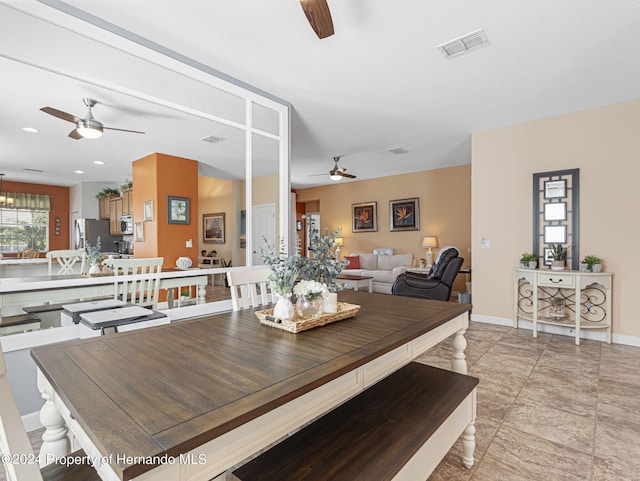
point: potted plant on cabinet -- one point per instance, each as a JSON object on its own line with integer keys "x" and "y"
{"x": 529, "y": 260}
{"x": 559, "y": 255}
{"x": 591, "y": 263}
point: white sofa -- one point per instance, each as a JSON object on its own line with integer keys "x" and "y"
{"x": 382, "y": 267}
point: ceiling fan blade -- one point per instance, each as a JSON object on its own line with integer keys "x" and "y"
{"x": 123, "y": 130}
{"x": 317, "y": 175}
{"x": 75, "y": 135}
{"x": 319, "y": 16}
{"x": 348, "y": 176}
{"x": 60, "y": 114}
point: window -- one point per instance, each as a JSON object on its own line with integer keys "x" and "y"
{"x": 23, "y": 229}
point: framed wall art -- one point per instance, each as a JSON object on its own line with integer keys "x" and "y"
{"x": 213, "y": 228}
{"x": 138, "y": 231}
{"x": 364, "y": 217}
{"x": 148, "y": 210}
{"x": 404, "y": 214}
{"x": 177, "y": 210}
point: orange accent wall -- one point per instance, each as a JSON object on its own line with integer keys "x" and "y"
{"x": 59, "y": 208}
{"x": 155, "y": 177}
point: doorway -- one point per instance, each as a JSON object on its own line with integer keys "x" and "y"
{"x": 263, "y": 227}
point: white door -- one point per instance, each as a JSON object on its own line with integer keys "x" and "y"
{"x": 263, "y": 226}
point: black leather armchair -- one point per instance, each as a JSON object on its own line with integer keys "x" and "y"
{"x": 434, "y": 285}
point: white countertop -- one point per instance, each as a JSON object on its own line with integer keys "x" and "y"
{"x": 16, "y": 261}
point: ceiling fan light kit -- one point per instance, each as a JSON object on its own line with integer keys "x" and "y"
{"x": 86, "y": 128}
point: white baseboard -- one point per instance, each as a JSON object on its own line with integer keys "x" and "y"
{"x": 31, "y": 421}
{"x": 599, "y": 335}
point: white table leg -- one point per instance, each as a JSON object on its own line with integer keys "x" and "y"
{"x": 201, "y": 294}
{"x": 468, "y": 444}
{"x": 458, "y": 359}
{"x": 370, "y": 285}
{"x": 55, "y": 442}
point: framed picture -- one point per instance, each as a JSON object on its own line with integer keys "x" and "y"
{"x": 213, "y": 228}
{"x": 364, "y": 217}
{"x": 555, "y": 234}
{"x": 404, "y": 214}
{"x": 555, "y": 189}
{"x": 555, "y": 211}
{"x": 548, "y": 256}
{"x": 138, "y": 230}
{"x": 148, "y": 210}
{"x": 177, "y": 210}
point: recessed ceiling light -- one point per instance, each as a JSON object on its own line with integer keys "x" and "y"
{"x": 30, "y": 129}
{"x": 399, "y": 151}
{"x": 79, "y": 171}
{"x": 98, "y": 162}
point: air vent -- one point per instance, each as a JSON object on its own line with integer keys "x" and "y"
{"x": 464, "y": 44}
{"x": 398, "y": 151}
{"x": 33, "y": 170}
{"x": 213, "y": 139}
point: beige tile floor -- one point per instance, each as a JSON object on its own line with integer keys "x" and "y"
{"x": 547, "y": 409}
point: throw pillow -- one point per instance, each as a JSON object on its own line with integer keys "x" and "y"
{"x": 353, "y": 262}
{"x": 384, "y": 251}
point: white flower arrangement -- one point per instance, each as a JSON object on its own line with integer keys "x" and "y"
{"x": 310, "y": 289}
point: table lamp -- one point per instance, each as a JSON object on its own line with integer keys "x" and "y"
{"x": 428, "y": 243}
{"x": 339, "y": 242}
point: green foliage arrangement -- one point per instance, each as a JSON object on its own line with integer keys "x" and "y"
{"x": 558, "y": 252}
{"x": 94, "y": 256}
{"x": 527, "y": 256}
{"x": 321, "y": 265}
{"x": 284, "y": 269}
{"x": 106, "y": 192}
{"x": 590, "y": 260}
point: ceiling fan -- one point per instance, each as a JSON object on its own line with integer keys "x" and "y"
{"x": 337, "y": 173}
{"x": 319, "y": 16}
{"x": 87, "y": 127}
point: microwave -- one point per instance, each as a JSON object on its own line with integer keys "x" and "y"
{"x": 126, "y": 224}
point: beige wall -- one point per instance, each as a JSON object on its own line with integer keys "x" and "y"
{"x": 604, "y": 144}
{"x": 445, "y": 210}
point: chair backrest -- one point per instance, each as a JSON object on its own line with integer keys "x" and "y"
{"x": 29, "y": 254}
{"x": 66, "y": 260}
{"x": 451, "y": 271}
{"x": 249, "y": 288}
{"x": 13, "y": 437}
{"x": 142, "y": 292}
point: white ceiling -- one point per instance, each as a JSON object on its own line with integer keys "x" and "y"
{"x": 379, "y": 83}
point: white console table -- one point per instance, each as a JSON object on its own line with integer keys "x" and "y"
{"x": 573, "y": 299}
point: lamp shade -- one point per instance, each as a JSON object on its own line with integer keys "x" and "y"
{"x": 429, "y": 241}
{"x": 339, "y": 241}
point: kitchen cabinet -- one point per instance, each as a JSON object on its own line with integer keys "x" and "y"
{"x": 127, "y": 202}
{"x": 115, "y": 212}
{"x": 103, "y": 206}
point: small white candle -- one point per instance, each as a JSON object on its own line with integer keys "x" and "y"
{"x": 331, "y": 303}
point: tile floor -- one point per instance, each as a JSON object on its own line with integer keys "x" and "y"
{"x": 547, "y": 409}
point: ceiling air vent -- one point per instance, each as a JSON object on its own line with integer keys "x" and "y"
{"x": 464, "y": 44}
{"x": 398, "y": 151}
{"x": 213, "y": 139}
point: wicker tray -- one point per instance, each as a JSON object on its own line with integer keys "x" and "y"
{"x": 299, "y": 324}
{"x": 98, "y": 274}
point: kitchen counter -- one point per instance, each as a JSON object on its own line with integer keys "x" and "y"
{"x": 15, "y": 267}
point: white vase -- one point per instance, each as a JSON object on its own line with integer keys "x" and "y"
{"x": 557, "y": 265}
{"x": 183, "y": 263}
{"x": 94, "y": 269}
{"x": 284, "y": 308}
{"x": 331, "y": 303}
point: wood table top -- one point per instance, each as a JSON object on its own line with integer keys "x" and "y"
{"x": 171, "y": 388}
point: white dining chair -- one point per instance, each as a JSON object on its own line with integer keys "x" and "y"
{"x": 66, "y": 260}
{"x": 249, "y": 288}
{"x": 142, "y": 292}
{"x": 15, "y": 445}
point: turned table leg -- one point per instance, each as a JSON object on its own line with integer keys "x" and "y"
{"x": 55, "y": 442}
{"x": 458, "y": 359}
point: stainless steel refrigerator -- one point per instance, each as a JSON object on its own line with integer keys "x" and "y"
{"x": 88, "y": 230}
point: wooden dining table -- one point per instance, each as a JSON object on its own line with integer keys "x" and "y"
{"x": 192, "y": 399}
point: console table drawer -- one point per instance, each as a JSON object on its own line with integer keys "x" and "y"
{"x": 556, "y": 280}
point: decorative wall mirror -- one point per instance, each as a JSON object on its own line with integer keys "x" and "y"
{"x": 556, "y": 197}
